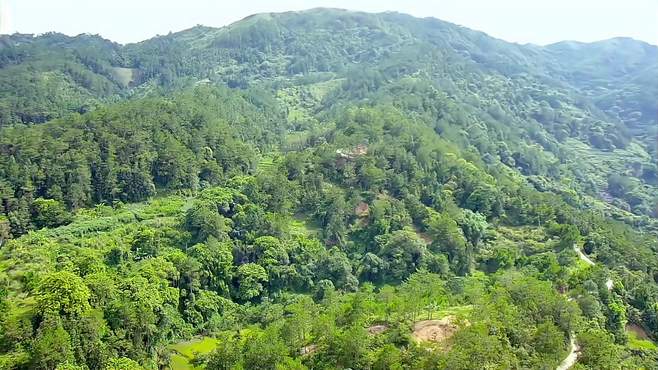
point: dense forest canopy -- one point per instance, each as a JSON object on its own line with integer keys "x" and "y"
{"x": 327, "y": 189}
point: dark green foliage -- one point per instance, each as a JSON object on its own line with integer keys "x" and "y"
{"x": 402, "y": 253}
{"x": 349, "y": 151}
{"x": 117, "y": 154}
{"x": 52, "y": 346}
{"x": 49, "y": 213}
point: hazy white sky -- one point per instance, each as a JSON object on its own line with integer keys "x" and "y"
{"x": 536, "y": 21}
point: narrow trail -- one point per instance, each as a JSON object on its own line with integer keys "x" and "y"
{"x": 572, "y": 357}
{"x": 574, "y": 349}
{"x": 584, "y": 257}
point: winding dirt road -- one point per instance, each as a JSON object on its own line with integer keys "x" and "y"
{"x": 574, "y": 350}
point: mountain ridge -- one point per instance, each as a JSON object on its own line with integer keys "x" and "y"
{"x": 330, "y": 9}
{"x": 311, "y": 190}
{"x": 603, "y": 107}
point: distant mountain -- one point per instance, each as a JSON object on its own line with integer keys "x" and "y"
{"x": 566, "y": 99}
{"x": 326, "y": 190}
{"x": 324, "y": 40}
{"x": 619, "y": 75}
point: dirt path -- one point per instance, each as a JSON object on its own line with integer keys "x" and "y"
{"x": 572, "y": 357}
{"x": 574, "y": 350}
{"x": 583, "y": 256}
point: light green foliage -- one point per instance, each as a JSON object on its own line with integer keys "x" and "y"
{"x": 250, "y": 279}
{"x": 62, "y": 294}
{"x": 474, "y": 226}
{"x": 240, "y": 198}
{"x": 186, "y": 352}
{"x": 49, "y": 213}
{"x": 476, "y": 346}
{"x": 634, "y": 342}
{"x": 122, "y": 363}
{"x": 598, "y": 350}
{"x": 68, "y": 366}
{"x": 424, "y": 292}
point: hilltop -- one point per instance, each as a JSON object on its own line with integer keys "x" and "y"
{"x": 314, "y": 189}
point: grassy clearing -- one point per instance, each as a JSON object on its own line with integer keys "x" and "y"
{"x": 458, "y": 311}
{"x": 179, "y": 362}
{"x": 266, "y": 164}
{"x": 602, "y": 162}
{"x": 102, "y": 219}
{"x": 195, "y": 346}
{"x": 635, "y": 342}
{"x": 531, "y": 240}
{"x": 124, "y": 75}
{"x": 185, "y": 352}
{"x": 301, "y": 225}
{"x": 320, "y": 89}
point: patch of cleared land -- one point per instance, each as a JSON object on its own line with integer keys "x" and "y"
{"x": 303, "y": 225}
{"x": 436, "y": 331}
{"x": 377, "y": 329}
{"x": 185, "y": 352}
{"x": 638, "y": 338}
{"x": 124, "y": 75}
{"x": 308, "y": 350}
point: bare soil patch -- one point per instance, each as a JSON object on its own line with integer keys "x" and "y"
{"x": 377, "y": 329}
{"x": 638, "y": 330}
{"x": 308, "y": 350}
{"x": 436, "y": 331}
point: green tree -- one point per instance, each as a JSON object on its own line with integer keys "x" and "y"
{"x": 474, "y": 345}
{"x": 265, "y": 350}
{"x": 52, "y": 346}
{"x": 403, "y": 251}
{"x": 49, "y": 213}
{"x": 228, "y": 353}
{"x": 62, "y": 294}
{"x": 336, "y": 267}
{"x": 474, "y": 226}
{"x": 203, "y": 221}
{"x": 388, "y": 357}
{"x": 68, "y": 366}
{"x": 122, "y": 363}
{"x": 484, "y": 199}
{"x": 598, "y": 350}
{"x": 250, "y": 278}
{"x": 216, "y": 261}
{"x": 549, "y": 341}
{"x": 449, "y": 238}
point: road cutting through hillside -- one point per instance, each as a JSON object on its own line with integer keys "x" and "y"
{"x": 574, "y": 349}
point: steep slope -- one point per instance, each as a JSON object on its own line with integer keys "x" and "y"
{"x": 48, "y": 76}
{"x": 619, "y": 75}
{"x": 536, "y": 108}
{"x": 374, "y": 221}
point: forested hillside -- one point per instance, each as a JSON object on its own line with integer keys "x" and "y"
{"x": 327, "y": 189}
